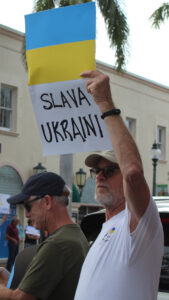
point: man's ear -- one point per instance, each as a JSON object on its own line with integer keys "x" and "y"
{"x": 48, "y": 201}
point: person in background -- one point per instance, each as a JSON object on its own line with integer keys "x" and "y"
{"x": 2, "y": 221}
{"x": 31, "y": 235}
{"x": 54, "y": 270}
{"x": 12, "y": 236}
{"x": 125, "y": 260}
{"x": 21, "y": 235}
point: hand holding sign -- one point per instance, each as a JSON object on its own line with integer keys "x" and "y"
{"x": 98, "y": 86}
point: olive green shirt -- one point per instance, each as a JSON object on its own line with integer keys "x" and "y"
{"x": 54, "y": 271}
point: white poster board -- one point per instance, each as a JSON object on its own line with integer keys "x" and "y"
{"x": 4, "y": 205}
{"x": 32, "y": 231}
{"x": 68, "y": 119}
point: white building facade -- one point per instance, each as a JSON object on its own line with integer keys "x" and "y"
{"x": 144, "y": 106}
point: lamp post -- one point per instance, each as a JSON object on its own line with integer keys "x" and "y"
{"x": 155, "y": 156}
{"x": 39, "y": 169}
{"x": 80, "y": 179}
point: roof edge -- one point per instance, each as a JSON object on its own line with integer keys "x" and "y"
{"x": 132, "y": 76}
{"x": 5, "y": 30}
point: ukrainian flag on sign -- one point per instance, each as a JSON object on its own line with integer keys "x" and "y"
{"x": 60, "y": 43}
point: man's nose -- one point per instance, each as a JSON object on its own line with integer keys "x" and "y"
{"x": 100, "y": 176}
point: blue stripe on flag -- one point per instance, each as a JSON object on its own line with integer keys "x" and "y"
{"x": 60, "y": 25}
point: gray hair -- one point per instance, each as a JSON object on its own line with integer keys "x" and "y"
{"x": 15, "y": 219}
{"x": 64, "y": 198}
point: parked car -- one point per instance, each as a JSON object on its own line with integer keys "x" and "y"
{"x": 92, "y": 224}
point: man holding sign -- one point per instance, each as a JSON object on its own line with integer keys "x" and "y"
{"x": 12, "y": 235}
{"x": 124, "y": 262}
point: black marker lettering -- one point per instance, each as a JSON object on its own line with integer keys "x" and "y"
{"x": 89, "y": 126}
{"x": 80, "y": 120}
{"x": 55, "y": 126}
{"x": 73, "y": 97}
{"x": 54, "y": 105}
{"x": 82, "y": 97}
{"x": 49, "y": 140}
{"x": 100, "y": 130}
{"x": 42, "y": 97}
{"x": 64, "y": 100}
{"x": 64, "y": 125}
{"x": 76, "y": 130}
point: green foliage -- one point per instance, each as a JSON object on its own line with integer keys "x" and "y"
{"x": 71, "y": 2}
{"x": 117, "y": 28}
{"x": 160, "y": 15}
{"x": 64, "y": 3}
{"x": 40, "y": 5}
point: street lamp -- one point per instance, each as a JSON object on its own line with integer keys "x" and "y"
{"x": 80, "y": 179}
{"x": 155, "y": 156}
{"x": 39, "y": 169}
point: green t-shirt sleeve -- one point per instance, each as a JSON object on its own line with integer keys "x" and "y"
{"x": 44, "y": 272}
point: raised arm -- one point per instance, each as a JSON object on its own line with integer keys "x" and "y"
{"x": 136, "y": 190}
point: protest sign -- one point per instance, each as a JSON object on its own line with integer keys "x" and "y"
{"x": 4, "y": 205}
{"x": 32, "y": 231}
{"x": 60, "y": 44}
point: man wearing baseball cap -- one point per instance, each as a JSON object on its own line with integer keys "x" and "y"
{"x": 55, "y": 268}
{"x": 125, "y": 260}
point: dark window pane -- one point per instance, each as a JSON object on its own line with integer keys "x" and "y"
{"x": 6, "y": 96}
{"x": 164, "y": 278}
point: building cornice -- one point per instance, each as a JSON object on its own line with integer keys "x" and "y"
{"x": 127, "y": 75}
{"x": 18, "y": 35}
{"x": 12, "y": 33}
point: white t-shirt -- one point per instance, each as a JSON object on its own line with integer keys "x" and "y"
{"x": 121, "y": 265}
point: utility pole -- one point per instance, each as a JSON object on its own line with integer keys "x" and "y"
{"x": 66, "y": 170}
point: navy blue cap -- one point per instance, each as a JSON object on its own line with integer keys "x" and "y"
{"x": 45, "y": 183}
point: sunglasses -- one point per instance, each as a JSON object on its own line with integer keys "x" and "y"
{"x": 27, "y": 204}
{"x": 107, "y": 171}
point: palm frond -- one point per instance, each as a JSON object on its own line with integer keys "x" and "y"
{"x": 160, "y": 15}
{"x": 63, "y": 3}
{"x": 40, "y": 5}
{"x": 71, "y": 2}
{"x": 117, "y": 28}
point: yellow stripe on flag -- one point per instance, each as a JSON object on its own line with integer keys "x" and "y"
{"x": 60, "y": 62}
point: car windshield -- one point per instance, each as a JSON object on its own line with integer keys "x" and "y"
{"x": 164, "y": 278}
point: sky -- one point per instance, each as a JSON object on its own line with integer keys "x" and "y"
{"x": 148, "y": 49}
